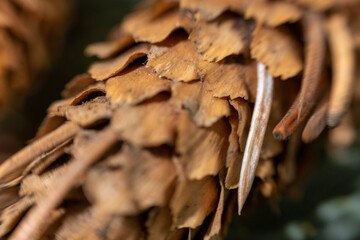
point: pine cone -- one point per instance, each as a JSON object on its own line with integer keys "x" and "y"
{"x": 30, "y": 32}
{"x": 179, "y": 117}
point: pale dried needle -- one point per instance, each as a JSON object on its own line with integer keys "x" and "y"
{"x": 260, "y": 117}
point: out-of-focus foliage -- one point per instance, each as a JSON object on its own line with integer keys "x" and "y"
{"x": 91, "y": 22}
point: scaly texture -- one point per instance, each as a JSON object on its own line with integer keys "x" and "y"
{"x": 156, "y": 139}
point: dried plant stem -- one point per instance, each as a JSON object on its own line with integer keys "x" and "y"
{"x": 290, "y": 122}
{"x": 37, "y": 148}
{"x": 343, "y": 61}
{"x": 264, "y": 95}
{"x": 314, "y": 58}
{"x": 30, "y": 227}
{"x": 317, "y": 122}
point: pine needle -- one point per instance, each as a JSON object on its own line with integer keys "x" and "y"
{"x": 314, "y": 58}
{"x": 37, "y": 148}
{"x": 255, "y": 139}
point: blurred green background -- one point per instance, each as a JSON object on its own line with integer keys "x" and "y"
{"x": 329, "y": 204}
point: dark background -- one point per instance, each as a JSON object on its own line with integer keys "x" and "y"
{"x": 328, "y": 206}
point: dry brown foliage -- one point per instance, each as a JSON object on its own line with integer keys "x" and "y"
{"x": 178, "y": 114}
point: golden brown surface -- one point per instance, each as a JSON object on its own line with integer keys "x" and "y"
{"x": 151, "y": 143}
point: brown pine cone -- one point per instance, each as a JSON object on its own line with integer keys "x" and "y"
{"x": 178, "y": 118}
{"x": 30, "y": 32}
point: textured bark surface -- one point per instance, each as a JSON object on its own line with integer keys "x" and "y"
{"x": 160, "y": 124}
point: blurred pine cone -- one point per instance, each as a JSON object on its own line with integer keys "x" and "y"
{"x": 154, "y": 140}
{"x": 30, "y": 32}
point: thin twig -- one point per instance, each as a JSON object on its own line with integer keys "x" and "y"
{"x": 317, "y": 122}
{"x": 314, "y": 58}
{"x": 264, "y": 95}
{"x": 37, "y": 148}
{"x": 290, "y": 122}
{"x": 343, "y": 62}
{"x": 30, "y": 226}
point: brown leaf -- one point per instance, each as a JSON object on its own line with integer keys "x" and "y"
{"x": 93, "y": 224}
{"x": 88, "y": 113}
{"x": 107, "y": 49}
{"x": 240, "y": 123}
{"x": 156, "y": 30}
{"x": 272, "y": 13}
{"x": 53, "y": 109}
{"x": 233, "y": 152}
{"x": 244, "y": 115}
{"x": 75, "y": 225}
{"x": 97, "y": 88}
{"x": 179, "y": 63}
{"x": 210, "y": 9}
{"x": 136, "y": 86}
{"x": 112, "y": 194}
{"x": 50, "y": 123}
{"x": 77, "y": 85}
{"x": 108, "y": 68}
{"x": 150, "y": 124}
{"x": 278, "y": 50}
{"x": 215, "y": 229}
{"x": 233, "y": 173}
{"x": 204, "y": 109}
{"x": 228, "y": 79}
{"x": 193, "y": 201}
{"x": 220, "y": 38}
{"x": 158, "y": 223}
{"x": 38, "y": 186}
{"x": 202, "y": 150}
{"x": 133, "y": 180}
{"x": 82, "y": 140}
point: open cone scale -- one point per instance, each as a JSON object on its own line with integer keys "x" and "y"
{"x": 149, "y": 144}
